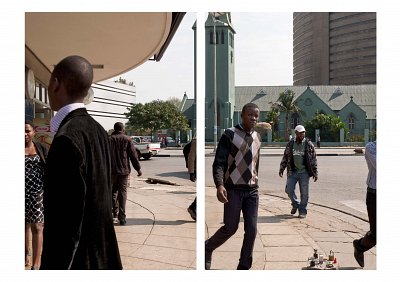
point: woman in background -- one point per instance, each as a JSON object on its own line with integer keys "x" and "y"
{"x": 35, "y": 159}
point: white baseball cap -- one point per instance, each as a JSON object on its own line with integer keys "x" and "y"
{"x": 300, "y": 128}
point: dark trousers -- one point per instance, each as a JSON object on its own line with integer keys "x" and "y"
{"x": 247, "y": 202}
{"x": 193, "y": 205}
{"x": 119, "y": 195}
{"x": 369, "y": 240}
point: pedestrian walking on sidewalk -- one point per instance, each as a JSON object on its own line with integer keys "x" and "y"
{"x": 369, "y": 240}
{"x": 318, "y": 141}
{"x": 122, "y": 151}
{"x": 78, "y": 228}
{"x": 300, "y": 162}
{"x": 191, "y": 164}
{"x": 235, "y": 172}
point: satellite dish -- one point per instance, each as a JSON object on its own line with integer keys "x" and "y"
{"x": 89, "y": 97}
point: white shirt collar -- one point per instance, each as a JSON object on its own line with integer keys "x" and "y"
{"x": 62, "y": 113}
{"x": 242, "y": 127}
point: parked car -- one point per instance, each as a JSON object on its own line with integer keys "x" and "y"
{"x": 171, "y": 142}
{"x": 145, "y": 149}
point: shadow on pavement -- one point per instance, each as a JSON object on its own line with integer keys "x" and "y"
{"x": 182, "y": 192}
{"x": 148, "y": 221}
{"x": 274, "y": 219}
{"x": 349, "y": 268}
{"x": 179, "y": 174}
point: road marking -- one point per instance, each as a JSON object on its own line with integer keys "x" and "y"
{"x": 356, "y": 205}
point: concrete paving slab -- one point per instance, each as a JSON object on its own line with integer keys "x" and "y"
{"x": 128, "y": 249}
{"x": 283, "y": 240}
{"x": 235, "y": 244}
{"x": 338, "y": 236}
{"x": 230, "y": 260}
{"x": 178, "y": 242}
{"x": 288, "y": 254}
{"x": 285, "y": 265}
{"x": 143, "y": 226}
{"x": 132, "y": 263}
{"x": 187, "y": 231}
{"x": 274, "y": 229}
{"x": 131, "y": 238}
{"x": 341, "y": 247}
{"x": 173, "y": 256}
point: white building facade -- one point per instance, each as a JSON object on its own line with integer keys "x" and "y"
{"x": 110, "y": 102}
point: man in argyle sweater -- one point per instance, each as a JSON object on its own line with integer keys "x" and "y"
{"x": 235, "y": 172}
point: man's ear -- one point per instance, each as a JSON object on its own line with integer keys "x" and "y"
{"x": 56, "y": 84}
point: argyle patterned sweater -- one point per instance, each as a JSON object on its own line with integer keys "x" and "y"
{"x": 237, "y": 159}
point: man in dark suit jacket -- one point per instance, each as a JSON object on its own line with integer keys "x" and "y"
{"x": 78, "y": 231}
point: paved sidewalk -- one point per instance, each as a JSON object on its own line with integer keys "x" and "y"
{"x": 284, "y": 241}
{"x": 159, "y": 233}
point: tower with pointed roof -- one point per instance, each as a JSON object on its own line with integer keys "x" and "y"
{"x": 219, "y": 46}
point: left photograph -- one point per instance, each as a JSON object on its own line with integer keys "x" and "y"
{"x": 110, "y": 141}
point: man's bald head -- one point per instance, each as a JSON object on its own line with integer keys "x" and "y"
{"x": 76, "y": 73}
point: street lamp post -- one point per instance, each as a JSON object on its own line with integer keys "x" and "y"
{"x": 272, "y": 130}
{"x": 215, "y": 86}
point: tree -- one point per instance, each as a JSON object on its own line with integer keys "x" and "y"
{"x": 262, "y": 128}
{"x": 329, "y": 126}
{"x": 286, "y": 104}
{"x": 123, "y": 81}
{"x": 154, "y": 116}
{"x": 273, "y": 118}
{"x": 175, "y": 101}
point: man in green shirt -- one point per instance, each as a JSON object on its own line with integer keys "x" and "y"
{"x": 300, "y": 160}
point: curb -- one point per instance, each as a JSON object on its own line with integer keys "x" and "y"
{"x": 264, "y": 154}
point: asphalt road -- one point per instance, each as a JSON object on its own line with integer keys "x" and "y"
{"x": 341, "y": 183}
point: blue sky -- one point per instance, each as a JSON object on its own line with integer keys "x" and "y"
{"x": 263, "y": 51}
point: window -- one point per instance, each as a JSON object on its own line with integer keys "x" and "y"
{"x": 231, "y": 57}
{"x": 46, "y": 96}
{"x": 217, "y": 37}
{"x": 222, "y": 37}
{"x": 295, "y": 120}
{"x": 211, "y": 37}
{"x": 351, "y": 121}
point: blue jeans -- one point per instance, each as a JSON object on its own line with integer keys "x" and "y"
{"x": 303, "y": 179}
{"x": 247, "y": 202}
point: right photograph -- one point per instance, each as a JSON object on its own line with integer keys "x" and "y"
{"x": 290, "y": 141}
